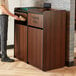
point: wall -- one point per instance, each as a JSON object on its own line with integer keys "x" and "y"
{"x": 72, "y": 26}
{"x": 60, "y": 4}
{"x": 12, "y": 4}
{"x": 28, "y": 3}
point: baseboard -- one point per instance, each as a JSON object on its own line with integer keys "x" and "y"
{"x": 69, "y": 64}
{"x": 10, "y": 46}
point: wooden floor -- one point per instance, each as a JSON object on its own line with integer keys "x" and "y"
{"x": 19, "y": 68}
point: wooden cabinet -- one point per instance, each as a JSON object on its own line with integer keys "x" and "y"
{"x": 21, "y": 42}
{"x": 42, "y": 42}
{"x": 46, "y": 46}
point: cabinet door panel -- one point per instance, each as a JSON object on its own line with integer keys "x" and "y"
{"x": 21, "y": 42}
{"x": 35, "y": 46}
{"x": 16, "y": 41}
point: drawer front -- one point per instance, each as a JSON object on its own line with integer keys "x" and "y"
{"x": 35, "y": 20}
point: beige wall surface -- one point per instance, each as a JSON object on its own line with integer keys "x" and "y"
{"x": 28, "y": 3}
{"x": 12, "y": 4}
{"x": 60, "y": 4}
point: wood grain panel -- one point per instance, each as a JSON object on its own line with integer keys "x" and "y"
{"x": 49, "y": 56}
{"x": 46, "y": 48}
{"x": 35, "y": 20}
{"x": 54, "y": 57}
{"x": 21, "y": 42}
{"x": 35, "y": 47}
{"x": 17, "y": 38}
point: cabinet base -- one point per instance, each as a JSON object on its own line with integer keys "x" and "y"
{"x": 69, "y": 64}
